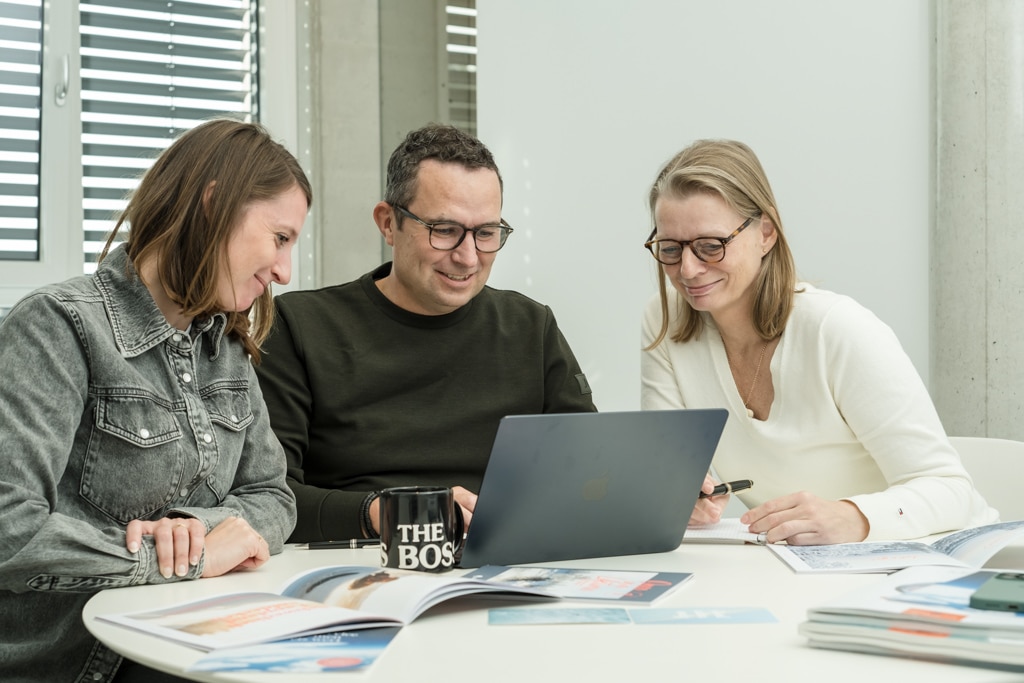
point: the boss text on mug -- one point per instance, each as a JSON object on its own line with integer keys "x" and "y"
{"x": 423, "y": 546}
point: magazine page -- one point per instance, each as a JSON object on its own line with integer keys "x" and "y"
{"x": 586, "y": 584}
{"x": 976, "y": 546}
{"x": 967, "y": 548}
{"x": 399, "y": 594}
{"x": 880, "y": 556}
{"x": 242, "y": 619}
{"x": 936, "y": 596}
{"x": 340, "y": 651}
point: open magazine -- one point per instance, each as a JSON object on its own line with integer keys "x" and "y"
{"x": 968, "y": 548}
{"x": 339, "y": 598}
{"x": 321, "y": 600}
{"x": 920, "y": 612}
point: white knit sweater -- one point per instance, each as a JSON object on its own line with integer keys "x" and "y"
{"x": 851, "y": 418}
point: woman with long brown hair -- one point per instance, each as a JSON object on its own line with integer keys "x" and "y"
{"x": 135, "y": 446}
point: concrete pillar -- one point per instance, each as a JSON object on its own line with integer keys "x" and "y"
{"x": 375, "y": 73}
{"x": 977, "y": 276}
{"x": 345, "y": 66}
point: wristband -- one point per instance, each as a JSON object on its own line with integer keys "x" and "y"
{"x": 365, "y": 523}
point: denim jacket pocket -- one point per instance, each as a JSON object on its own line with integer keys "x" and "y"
{"x": 134, "y": 464}
{"x": 231, "y": 413}
{"x": 229, "y": 407}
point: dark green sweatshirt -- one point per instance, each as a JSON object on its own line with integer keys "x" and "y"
{"x": 364, "y": 395}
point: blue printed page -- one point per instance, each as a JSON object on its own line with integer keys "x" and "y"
{"x": 586, "y": 584}
{"x": 516, "y": 616}
{"x": 344, "y": 651}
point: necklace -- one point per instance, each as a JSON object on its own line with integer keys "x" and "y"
{"x": 757, "y": 373}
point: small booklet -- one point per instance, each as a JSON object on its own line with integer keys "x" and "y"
{"x": 922, "y": 612}
{"x": 322, "y": 600}
{"x": 587, "y": 584}
{"x": 968, "y": 548}
{"x": 727, "y": 530}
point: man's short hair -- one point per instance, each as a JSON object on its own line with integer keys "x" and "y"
{"x": 444, "y": 143}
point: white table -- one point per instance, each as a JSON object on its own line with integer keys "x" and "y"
{"x": 455, "y": 640}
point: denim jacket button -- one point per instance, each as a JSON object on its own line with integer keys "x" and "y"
{"x": 144, "y": 433}
{"x": 186, "y": 378}
{"x": 183, "y": 493}
{"x": 176, "y": 337}
{"x": 207, "y": 438}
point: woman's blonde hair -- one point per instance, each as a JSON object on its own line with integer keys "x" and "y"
{"x": 730, "y": 170}
{"x": 188, "y": 205}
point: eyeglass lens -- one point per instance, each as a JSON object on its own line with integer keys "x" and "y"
{"x": 448, "y": 236}
{"x": 670, "y": 252}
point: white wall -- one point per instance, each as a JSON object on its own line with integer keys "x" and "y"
{"x": 582, "y": 101}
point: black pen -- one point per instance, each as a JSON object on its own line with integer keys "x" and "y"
{"x": 728, "y": 487}
{"x": 350, "y": 543}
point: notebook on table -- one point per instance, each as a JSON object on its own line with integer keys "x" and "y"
{"x": 565, "y": 486}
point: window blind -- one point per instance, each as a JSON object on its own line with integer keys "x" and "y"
{"x": 152, "y": 69}
{"x": 20, "y": 105}
{"x": 460, "y": 30}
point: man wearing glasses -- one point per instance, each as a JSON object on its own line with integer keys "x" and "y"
{"x": 400, "y": 377}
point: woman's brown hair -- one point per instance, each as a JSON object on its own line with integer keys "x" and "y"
{"x": 187, "y": 206}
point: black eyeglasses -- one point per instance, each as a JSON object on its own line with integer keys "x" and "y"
{"x": 707, "y": 249}
{"x": 448, "y": 236}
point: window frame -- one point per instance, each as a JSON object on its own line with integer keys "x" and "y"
{"x": 60, "y": 165}
{"x": 283, "y": 95}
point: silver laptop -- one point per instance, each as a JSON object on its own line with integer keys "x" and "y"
{"x": 567, "y": 486}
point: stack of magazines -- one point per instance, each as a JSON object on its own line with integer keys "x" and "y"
{"x": 921, "y": 612}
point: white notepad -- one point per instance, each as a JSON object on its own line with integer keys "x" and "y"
{"x": 727, "y": 530}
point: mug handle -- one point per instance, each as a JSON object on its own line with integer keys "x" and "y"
{"x": 460, "y": 528}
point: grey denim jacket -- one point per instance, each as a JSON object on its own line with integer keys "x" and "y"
{"x": 108, "y": 414}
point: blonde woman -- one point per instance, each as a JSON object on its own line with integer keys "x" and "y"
{"x": 827, "y": 414}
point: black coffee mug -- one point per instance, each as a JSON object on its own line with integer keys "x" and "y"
{"x": 421, "y": 528}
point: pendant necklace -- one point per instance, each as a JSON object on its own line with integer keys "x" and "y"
{"x": 757, "y": 373}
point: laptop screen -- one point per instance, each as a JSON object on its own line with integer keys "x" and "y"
{"x": 571, "y": 485}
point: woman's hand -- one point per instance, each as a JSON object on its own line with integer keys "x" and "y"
{"x": 805, "y": 519}
{"x": 708, "y": 510}
{"x": 179, "y": 542}
{"x": 231, "y": 545}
